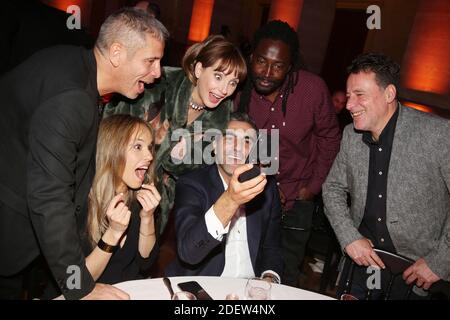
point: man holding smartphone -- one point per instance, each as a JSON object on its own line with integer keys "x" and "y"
{"x": 225, "y": 227}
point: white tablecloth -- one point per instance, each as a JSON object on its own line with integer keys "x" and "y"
{"x": 217, "y": 287}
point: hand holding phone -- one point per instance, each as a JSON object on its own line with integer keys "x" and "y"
{"x": 249, "y": 174}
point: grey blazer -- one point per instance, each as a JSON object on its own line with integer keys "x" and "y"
{"x": 418, "y": 196}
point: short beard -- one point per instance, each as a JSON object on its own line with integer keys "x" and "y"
{"x": 266, "y": 91}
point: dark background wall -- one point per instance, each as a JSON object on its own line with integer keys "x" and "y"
{"x": 331, "y": 33}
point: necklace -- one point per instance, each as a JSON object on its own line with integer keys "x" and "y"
{"x": 195, "y": 106}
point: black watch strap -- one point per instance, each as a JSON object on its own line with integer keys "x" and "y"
{"x": 106, "y": 247}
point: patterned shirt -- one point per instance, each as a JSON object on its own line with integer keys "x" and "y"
{"x": 309, "y": 134}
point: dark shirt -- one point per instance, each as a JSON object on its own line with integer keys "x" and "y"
{"x": 127, "y": 263}
{"x": 309, "y": 134}
{"x": 373, "y": 226}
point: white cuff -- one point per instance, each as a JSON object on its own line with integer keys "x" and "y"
{"x": 276, "y": 278}
{"x": 214, "y": 226}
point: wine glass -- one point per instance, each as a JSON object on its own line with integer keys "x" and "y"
{"x": 257, "y": 289}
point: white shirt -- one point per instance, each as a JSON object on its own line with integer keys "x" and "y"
{"x": 238, "y": 263}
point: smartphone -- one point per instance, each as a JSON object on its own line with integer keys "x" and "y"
{"x": 255, "y": 170}
{"x": 249, "y": 174}
{"x": 266, "y": 159}
{"x": 196, "y": 289}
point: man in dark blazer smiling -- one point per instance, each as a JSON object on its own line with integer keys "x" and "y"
{"x": 48, "y": 135}
{"x": 225, "y": 227}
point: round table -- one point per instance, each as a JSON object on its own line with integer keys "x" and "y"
{"x": 217, "y": 287}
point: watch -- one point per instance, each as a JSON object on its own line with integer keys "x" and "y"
{"x": 106, "y": 247}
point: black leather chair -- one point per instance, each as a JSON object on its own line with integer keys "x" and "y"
{"x": 396, "y": 265}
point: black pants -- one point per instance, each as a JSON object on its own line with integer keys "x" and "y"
{"x": 35, "y": 281}
{"x": 12, "y": 287}
{"x": 296, "y": 229}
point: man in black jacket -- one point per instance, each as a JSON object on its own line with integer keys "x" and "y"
{"x": 48, "y": 135}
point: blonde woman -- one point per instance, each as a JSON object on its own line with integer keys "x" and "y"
{"x": 199, "y": 92}
{"x": 122, "y": 202}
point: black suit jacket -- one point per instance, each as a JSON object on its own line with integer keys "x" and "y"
{"x": 48, "y": 133}
{"x": 199, "y": 254}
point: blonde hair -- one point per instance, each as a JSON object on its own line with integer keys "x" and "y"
{"x": 209, "y": 51}
{"x": 129, "y": 26}
{"x": 114, "y": 134}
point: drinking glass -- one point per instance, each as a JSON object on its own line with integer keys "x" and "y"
{"x": 257, "y": 289}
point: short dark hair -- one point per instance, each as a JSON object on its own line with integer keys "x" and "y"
{"x": 386, "y": 70}
{"x": 244, "y": 117}
{"x": 282, "y": 31}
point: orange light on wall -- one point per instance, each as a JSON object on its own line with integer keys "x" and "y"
{"x": 426, "y": 66}
{"x": 417, "y": 106}
{"x": 200, "y": 20}
{"x": 64, "y": 4}
{"x": 286, "y": 10}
